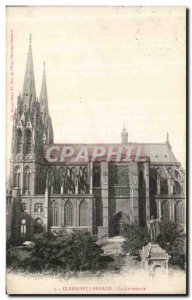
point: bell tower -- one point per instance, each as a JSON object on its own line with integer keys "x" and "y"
{"x": 27, "y": 138}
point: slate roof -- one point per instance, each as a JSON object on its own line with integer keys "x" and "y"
{"x": 159, "y": 153}
{"x": 153, "y": 251}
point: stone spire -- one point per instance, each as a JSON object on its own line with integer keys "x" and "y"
{"x": 46, "y": 119}
{"x": 168, "y": 141}
{"x": 167, "y": 138}
{"x": 29, "y": 93}
{"x": 44, "y": 98}
{"x": 124, "y": 135}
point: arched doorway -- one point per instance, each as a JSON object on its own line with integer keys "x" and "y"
{"x": 117, "y": 223}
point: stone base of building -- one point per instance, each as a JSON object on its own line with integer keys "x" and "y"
{"x": 56, "y": 229}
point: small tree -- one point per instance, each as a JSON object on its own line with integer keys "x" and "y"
{"x": 136, "y": 237}
{"x": 172, "y": 239}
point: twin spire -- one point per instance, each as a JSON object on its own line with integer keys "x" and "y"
{"x": 29, "y": 91}
{"x": 43, "y": 97}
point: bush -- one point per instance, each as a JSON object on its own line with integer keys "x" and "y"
{"x": 136, "y": 237}
{"x": 172, "y": 240}
{"x": 11, "y": 257}
{"x": 17, "y": 258}
{"x": 65, "y": 252}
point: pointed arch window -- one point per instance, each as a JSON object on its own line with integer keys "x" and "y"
{"x": 68, "y": 213}
{"x": 179, "y": 212}
{"x": 27, "y": 178}
{"x": 23, "y": 228}
{"x": 19, "y": 141}
{"x": 83, "y": 213}
{"x": 82, "y": 180}
{"x": 165, "y": 211}
{"x": 17, "y": 177}
{"x": 28, "y": 141}
{"x": 54, "y": 214}
{"x": 177, "y": 188}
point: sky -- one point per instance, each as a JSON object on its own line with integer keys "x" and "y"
{"x": 104, "y": 66}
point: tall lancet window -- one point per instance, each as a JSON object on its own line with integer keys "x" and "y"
{"x": 19, "y": 141}
{"x": 83, "y": 213}
{"x": 68, "y": 213}
{"x": 165, "y": 211}
{"x": 54, "y": 214}
{"x": 23, "y": 229}
{"x": 28, "y": 141}
{"x": 27, "y": 178}
{"x": 179, "y": 212}
{"x": 17, "y": 177}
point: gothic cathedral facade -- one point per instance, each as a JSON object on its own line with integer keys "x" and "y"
{"x": 96, "y": 196}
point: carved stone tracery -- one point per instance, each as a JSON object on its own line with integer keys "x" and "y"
{"x": 68, "y": 180}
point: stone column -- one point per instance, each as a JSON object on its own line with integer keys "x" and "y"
{"x": 146, "y": 176}
{"x": 158, "y": 185}
{"x": 76, "y": 215}
{"x": 172, "y": 208}
{"x": 52, "y": 189}
{"x": 91, "y": 177}
{"x": 134, "y": 205}
{"x": 170, "y": 200}
{"x": 46, "y": 209}
{"x": 90, "y": 215}
{"x": 22, "y": 180}
{"x": 59, "y": 216}
{"x": 159, "y": 208}
{"x": 105, "y": 196}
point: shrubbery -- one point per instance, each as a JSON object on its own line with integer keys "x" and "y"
{"x": 136, "y": 237}
{"x": 171, "y": 239}
{"x": 16, "y": 257}
{"x": 65, "y": 252}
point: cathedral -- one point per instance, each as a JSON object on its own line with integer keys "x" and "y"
{"x": 97, "y": 196}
